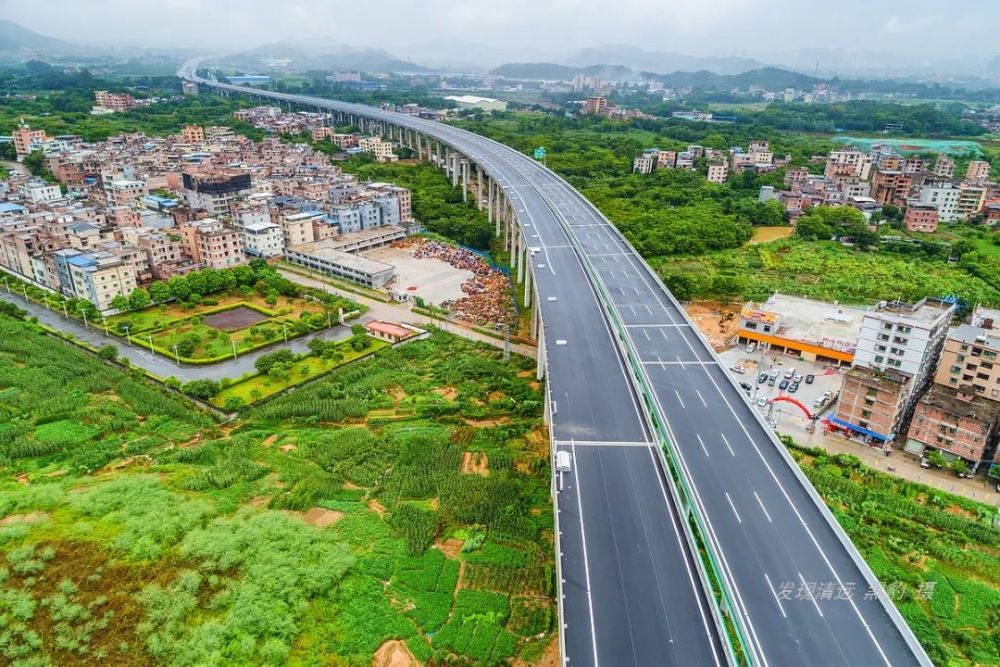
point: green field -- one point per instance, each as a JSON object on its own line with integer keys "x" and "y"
{"x": 312, "y": 531}
{"x": 938, "y": 555}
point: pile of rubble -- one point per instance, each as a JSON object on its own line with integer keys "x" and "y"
{"x": 488, "y": 291}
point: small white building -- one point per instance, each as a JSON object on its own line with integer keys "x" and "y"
{"x": 263, "y": 239}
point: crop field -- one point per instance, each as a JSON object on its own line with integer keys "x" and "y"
{"x": 337, "y": 524}
{"x": 938, "y": 555}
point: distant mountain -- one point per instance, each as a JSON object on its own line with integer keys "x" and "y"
{"x": 305, "y": 56}
{"x": 771, "y": 78}
{"x": 660, "y": 62}
{"x": 554, "y": 72}
{"x": 15, "y": 38}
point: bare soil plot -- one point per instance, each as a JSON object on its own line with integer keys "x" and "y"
{"x": 475, "y": 463}
{"x": 394, "y": 653}
{"x": 238, "y": 318}
{"x": 717, "y": 321}
{"x": 321, "y": 517}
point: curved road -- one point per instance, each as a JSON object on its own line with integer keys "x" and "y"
{"x": 627, "y": 372}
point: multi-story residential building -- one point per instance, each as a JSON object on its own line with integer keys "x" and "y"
{"x": 978, "y": 170}
{"x": 24, "y": 139}
{"x": 297, "y": 228}
{"x": 97, "y": 277}
{"x": 161, "y": 249}
{"x": 263, "y": 239}
{"x": 382, "y": 150}
{"x": 217, "y": 245}
{"x": 215, "y": 191}
{"x": 125, "y": 192}
{"x": 848, "y": 162}
{"x": 897, "y": 351}
{"x": 718, "y": 172}
{"x": 193, "y": 134}
{"x": 402, "y": 194}
{"x": 914, "y": 164}
{"x": 595, "y": 105}
{"x": 971, "y": 199}
{"x": 944, "y": 197}
{"x": 955, "y": 422}
{"x": 969, "y": 361}
{"x": 944, "y": 166}
{"x": 645, "y": 163}
{"x": 38, "y": 191}
{"x": 921, "y": 217}
{"x": 113, "y": 101}
{"x": 890, "y": 186}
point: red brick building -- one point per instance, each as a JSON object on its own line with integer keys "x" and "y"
{"x": 921, "y": 217}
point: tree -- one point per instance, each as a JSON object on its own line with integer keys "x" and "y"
{"x": 201, "y": 389}
{"x": 188, "y": 344}
{"x": 233, "y": 403}
{"x": 107, "y": 352}
{"x": 35, "y": 163}
{"x": 960, "y": 467}
{"x": 937, "y": 459}
{"x": 159, "y": 292}
{"x": 120, "y": 303}
{"x": 179, "y": 287}
{"x": 265, "y": 362}
{"x": 138, "y": 299}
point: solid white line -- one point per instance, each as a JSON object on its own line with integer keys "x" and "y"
{"x": 761, "y": 503}
{"x": 701, "y": 397}
{"x": 702, "y": 443}
{"x": 586, "y": 564}
{"x": 775, "y": 594}
{"x": 811, "y": 597}
{"x": 727, "y": 444}
{"x": 646, "y": 334}
{"x": 679, "y": 399}
{"x": 734, "y": 509}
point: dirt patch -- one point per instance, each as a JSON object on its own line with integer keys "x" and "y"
{"x": 271, "y": 439}
{"x": 525, "y": 374}
{"x": 485, "y": 423}
{"x": 394, "y": 653}
{"x": 448, "y": 393}
{"x": 23, "y": 479}
{"x": 450, "y": 547}
{"x": 717, "y": 321}
{"x": 287, "y": 448}
{"x": 398, "y": 393}
{"x": 766, "y": 234}
{"x": 238, "y": 318}
{"x": 375, "y": 506}
{"x": 350, "y": 486}
{"x": 30, "y": 517}
{"x": 321, "y": 517}
{"x": 259, "y": 501}
{"x": 475, "y": 463}
{"x": 494, "y": 396}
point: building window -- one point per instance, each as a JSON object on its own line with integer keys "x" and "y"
{"x": 879, "y": 360}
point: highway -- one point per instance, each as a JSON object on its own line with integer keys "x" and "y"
{"x": 633, "y": 592}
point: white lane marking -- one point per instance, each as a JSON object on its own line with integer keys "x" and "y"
{"x": 805, "y": 586}
{"x": 701, "y": 397}
{"x": 725, "y": 440}
{"x": 586, "y": 563}
{"x": 775, "y": 594}
{"x": 764, "y": 509}
{"x": 702, "y": 443}
{"x": 646, "y": 334}
{"x": 734, "y": 510}
{"x": 679, "y": 399}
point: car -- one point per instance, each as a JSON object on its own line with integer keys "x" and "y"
{"x": 762, "y": 378}
{"x": 737, "y": 369}
{"x": 827, "y": 394}
{"x": 797, "y": 379}
{"x": 793, "y": 387}
{"x": 924, "y": 463}
{"x": 810, "y": 378}
{"x": 751, "y": 347}
{"x": 746, "y": 387}
{"x": 818, "y": 403}
{"x": 783, "y": 385}
{"x": 771, "y": 381}
{"x": 761, "y": 402}
{"x": 773, "y": 373}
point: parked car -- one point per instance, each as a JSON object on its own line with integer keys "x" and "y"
{"x": 810, "y": 378}
{"x": 790, "y": 373}
{"x": 819, "y": 402}
{"x": 762, "y": 378}
{"x": 751, "y": 347}
{"x": 924, "y": 463}
{"x": 771, "y": 380}
{"x": 793, "y": 387}
{"x": 797, "y": 379}
{"x": 783, "y": 385}
{"x": 761, "y": 402}
{"x": 774, "y": 372}
{"x": 746, "y": 387}
{"x": 827, "y": 395}
{"x": 737, "y": 369}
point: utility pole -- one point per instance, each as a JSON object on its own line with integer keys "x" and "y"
{"x": 506, "y": 342}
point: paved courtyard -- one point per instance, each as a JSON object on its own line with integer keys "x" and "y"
{"x": 433, "y": 280}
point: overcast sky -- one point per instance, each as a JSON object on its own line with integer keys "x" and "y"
{"x": 530, "y": 28}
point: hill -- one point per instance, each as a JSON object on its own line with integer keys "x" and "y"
{"x": 772, "y": 78}
{"x": 302, "y": 57}
{"x": 660, "y": 62}
{"x": 16, "y": 38}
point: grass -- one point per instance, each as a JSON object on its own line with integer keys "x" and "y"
{"x": 257, "y": 387}
{"x": 137, "y": 531}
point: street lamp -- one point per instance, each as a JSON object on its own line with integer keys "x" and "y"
{"x": 177, "y": 357}
{"x": 234, "y": 348}
{"x": 6, "y": 284}
{"x": 84, "y": 313}
{"x": 149, "y": 337}
{"x": 128, "y": 335}
{"x": 284, "y": 330}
